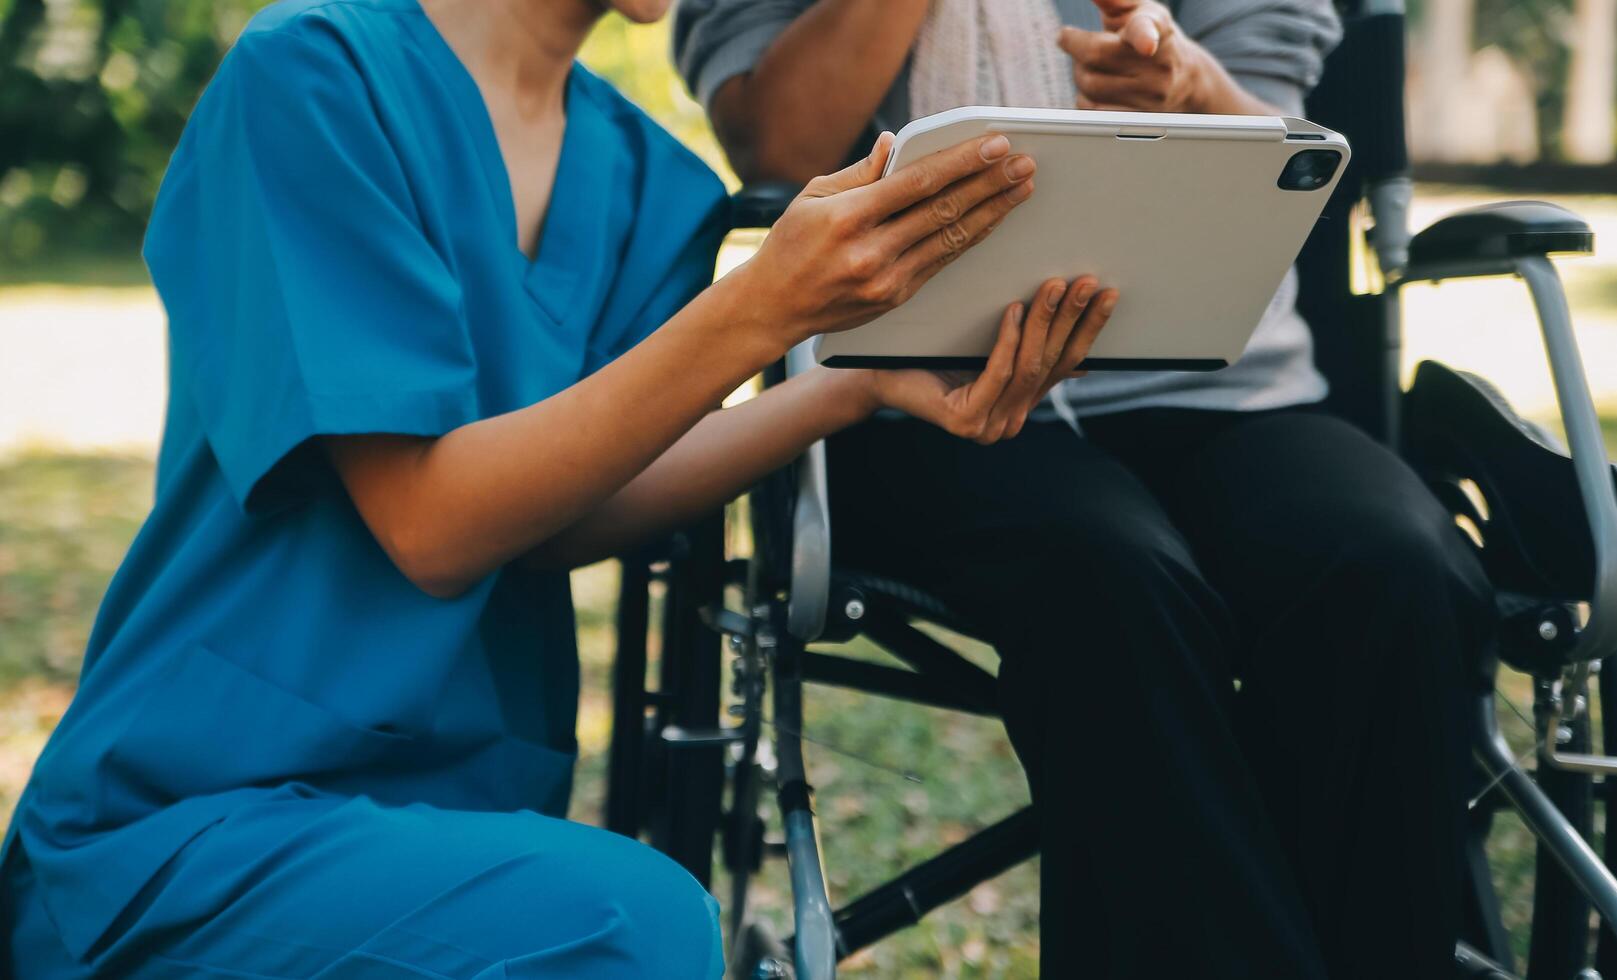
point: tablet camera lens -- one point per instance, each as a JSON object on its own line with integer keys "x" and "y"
{"x": 1309, "y": 170}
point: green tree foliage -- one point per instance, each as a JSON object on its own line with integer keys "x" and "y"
{"x": 94, "y": 95}
{"x": 635, "y": 58}
{"x": 1535, "y": 34}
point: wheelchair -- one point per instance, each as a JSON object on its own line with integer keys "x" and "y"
{"x": 1543, "y": 517}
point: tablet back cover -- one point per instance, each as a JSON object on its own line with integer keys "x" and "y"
{"x": 1182, "y": 214}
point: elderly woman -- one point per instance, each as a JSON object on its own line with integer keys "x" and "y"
{"x": 441, "y": 328}
{"x": 1152, "y": 534}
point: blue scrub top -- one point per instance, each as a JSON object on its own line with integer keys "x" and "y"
{"x": 335, "y": 246}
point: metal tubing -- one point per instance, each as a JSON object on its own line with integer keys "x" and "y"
{"x": 1606, "y": 949}
{"x": 1548, "y": 825}
{"x": 1484, "y": 926}
{"x": 904, "y": 900}
{"x": 1389, "y": 236}
{"x": 1599, "y": 636}
{"x": 1560, "y": 941}
{"x": 810, "y": 594}
{"x": 815, "y": 948}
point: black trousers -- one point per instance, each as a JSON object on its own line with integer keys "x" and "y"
{"x": 1231, "y": 649}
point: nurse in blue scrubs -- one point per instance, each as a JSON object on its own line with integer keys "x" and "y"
{"x": 441, "y": 329}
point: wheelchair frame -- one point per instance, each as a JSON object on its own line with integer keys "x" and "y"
{"x": 670, "y": 759}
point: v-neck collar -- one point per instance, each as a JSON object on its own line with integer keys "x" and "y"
{"x": 571, "y": 233}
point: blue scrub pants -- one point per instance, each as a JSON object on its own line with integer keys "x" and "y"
{"x": 304, "y": 885}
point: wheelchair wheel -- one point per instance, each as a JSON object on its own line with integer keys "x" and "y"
{"x": 651, "y": 752}
{"x": 685, "y": 823}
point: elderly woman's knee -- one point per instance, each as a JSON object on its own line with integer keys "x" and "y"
{"x": 1416, "y": 560}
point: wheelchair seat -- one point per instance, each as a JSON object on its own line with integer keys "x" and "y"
{"x": 1501, "y": 230}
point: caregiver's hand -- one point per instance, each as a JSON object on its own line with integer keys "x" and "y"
{"x": 854, "y": 244}
{"x": 1039, "y": 344}
{"x": 1143, "y": 62}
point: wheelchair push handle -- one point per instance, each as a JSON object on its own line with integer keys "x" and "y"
{"x": 1587, "y": 443}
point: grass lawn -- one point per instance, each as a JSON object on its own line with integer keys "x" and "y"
{"x": 65, "y": 521}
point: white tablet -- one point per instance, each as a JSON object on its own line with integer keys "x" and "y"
{"x": 1194, "y": 219}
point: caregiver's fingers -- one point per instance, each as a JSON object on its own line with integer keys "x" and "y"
{"x": 942, "y": 214}
{"x": 925, "y": 258}
{"x": 915, "y": 182}
{"x": 860, "y": 173}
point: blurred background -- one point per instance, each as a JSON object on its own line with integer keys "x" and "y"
{"x": 1508, "y": 98}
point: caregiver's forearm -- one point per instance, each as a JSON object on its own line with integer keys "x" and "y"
{"x": 451, "y": 510}
{"x": 726, "y": 453}
{"x": 801, "y": 111}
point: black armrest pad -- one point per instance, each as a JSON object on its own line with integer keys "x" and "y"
{"x": 1537, "y": 541}
{"x": 1502, "y": 230}
{"x": 760, "y": 205}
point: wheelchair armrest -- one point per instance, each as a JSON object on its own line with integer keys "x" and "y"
{"x": 1483, "y": 240}
{"x": 1458, "y": 426}
{"x": 1591, "y": 470}
{"x": 761, "y": 205}
{"x": 809, "y": 595}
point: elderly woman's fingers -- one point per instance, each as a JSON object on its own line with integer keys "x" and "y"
{"x": 1025, "y": 387}
{"x": 1095, "y": 316}
{"x": 1073, "y": 303}
{"x": 976, "y": 411}
{"x": 1027, "y": 383}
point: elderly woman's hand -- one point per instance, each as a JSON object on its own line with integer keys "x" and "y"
{"x": 856, "y": 244}
{"x": 1039, "y": 344}
{"x": 1143, "y": 62}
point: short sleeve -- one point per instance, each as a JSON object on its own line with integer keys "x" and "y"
{"x": 716, "y": 40}
{"x": 304, "y": 297}
{"x": 1275, "y": 49}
